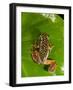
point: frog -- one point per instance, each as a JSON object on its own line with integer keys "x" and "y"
{"x": 41, "y": 51}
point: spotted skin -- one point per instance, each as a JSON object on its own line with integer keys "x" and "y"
{"x": 41, "y": 51}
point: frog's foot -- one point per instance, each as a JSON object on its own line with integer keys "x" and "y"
{"x": 52, "y": 65}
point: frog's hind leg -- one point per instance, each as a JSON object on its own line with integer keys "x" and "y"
{"x": 52, "y": 65}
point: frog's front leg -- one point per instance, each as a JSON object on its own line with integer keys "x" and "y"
{"x": 50, "y": 47}
{"x": 52, "y": 65}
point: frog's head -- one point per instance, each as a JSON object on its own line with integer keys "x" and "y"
{"x": 44, "y": 35}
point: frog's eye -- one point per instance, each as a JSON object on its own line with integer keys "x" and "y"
{"x": 48, "y": 35}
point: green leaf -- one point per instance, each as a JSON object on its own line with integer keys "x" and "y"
{"x": 32, "y": 24}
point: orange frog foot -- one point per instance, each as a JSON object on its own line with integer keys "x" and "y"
{"x": 52, "y": 65}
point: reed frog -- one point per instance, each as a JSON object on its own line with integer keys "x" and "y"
{"x": 41, "y": 50}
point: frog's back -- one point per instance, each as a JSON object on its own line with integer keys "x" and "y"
{"x": 43, "y": 44}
